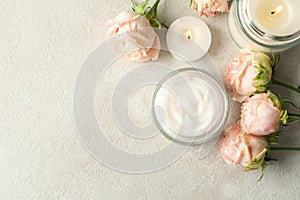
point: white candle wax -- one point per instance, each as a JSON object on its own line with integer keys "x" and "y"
{"x": 276, "y": 17}
{"x": 188, "y": 38}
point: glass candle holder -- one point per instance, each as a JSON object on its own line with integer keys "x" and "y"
{"x": 265, "y": 25}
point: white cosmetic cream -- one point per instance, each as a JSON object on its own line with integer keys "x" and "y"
{"x": 187, "y": 106}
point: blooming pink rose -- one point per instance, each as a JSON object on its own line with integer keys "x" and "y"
{"x": 143, "y": 42}
{"x": 209, "y": 7}
{"x": 249, "y": 73}
{"x": 261, "y": 114}
{"x": 243, "y": 149}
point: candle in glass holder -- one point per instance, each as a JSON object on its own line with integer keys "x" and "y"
{"x": 276, "y": 17}
{"x": 265, "y": 25}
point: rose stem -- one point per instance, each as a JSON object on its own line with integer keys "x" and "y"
{"x": 277, "y": 82}
{"x": 294, "y": 115}
{"x": 284, "y": 148}
{"x": 165, "y": 25}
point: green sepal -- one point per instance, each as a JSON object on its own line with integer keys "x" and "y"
{"x": 275, "y": 100}
{"x": 155, "y": 23}
{"x": 262, "y": 81}
{"x": 149, "y": 12}
{"x": 140, "y": 8}
{"x": 262, "y": 72}
{"x": 256, "y": 162}
{"x": 263, "y": 65}
{"x": 284, "y": 117}
{"x": 273, "y": 138}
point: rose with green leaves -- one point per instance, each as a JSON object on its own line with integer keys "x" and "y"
{"x": 250, "y": 73}
{"x": 142, "y": 43}
{"x": 262, "y": 114}
{"x": 149, "y": 12}
{"x": 239, "y": 148}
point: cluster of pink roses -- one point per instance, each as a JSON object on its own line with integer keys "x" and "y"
{"x": 249, "y": 77}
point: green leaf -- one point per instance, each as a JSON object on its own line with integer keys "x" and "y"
{"x": 290, "y": 102}
{"x": 291, "y": 120}
{"x": 263, "y": 170}
{"x": 133, "y": 5}
{"x": 155, "y": 23}
{"x": 272, "y": 139}
{"x": 277, "y": 133}
{"x": 281, "y": 101}
{"x": 140, "y": 9}
{"x": 152, "y": 13}
{"x": 275, "y": 60}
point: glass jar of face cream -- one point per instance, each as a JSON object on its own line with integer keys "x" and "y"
{"x": 190, "y": 107}
{"x": 265, "y": 25}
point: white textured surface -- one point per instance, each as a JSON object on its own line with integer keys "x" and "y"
{"x": 43, "y": 45}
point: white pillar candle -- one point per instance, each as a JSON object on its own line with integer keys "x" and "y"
{"x": 276, "y": 17}
{"x": 188, "y": 38}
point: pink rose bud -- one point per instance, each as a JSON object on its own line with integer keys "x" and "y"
{"x": 249, "y": 73}
{"x": 142, "y": 43}
{"x": 261, "y": 114}
{"x": 243, "y": 149}
{"x": 209, "y": 7}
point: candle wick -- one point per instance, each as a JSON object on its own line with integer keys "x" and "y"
{"x": 188, "y": 34}
{"x": 277, "y": 10}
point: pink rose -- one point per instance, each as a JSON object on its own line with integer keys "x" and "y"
{"x": 209, "y": 7}
{"x": 142, "y": 42}
{"x": 249, "y": 73}
{"x": 262, "y": 114}
{"x": 243, "y": 149}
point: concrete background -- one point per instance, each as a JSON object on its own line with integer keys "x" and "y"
{"x": 43, "y": 45}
